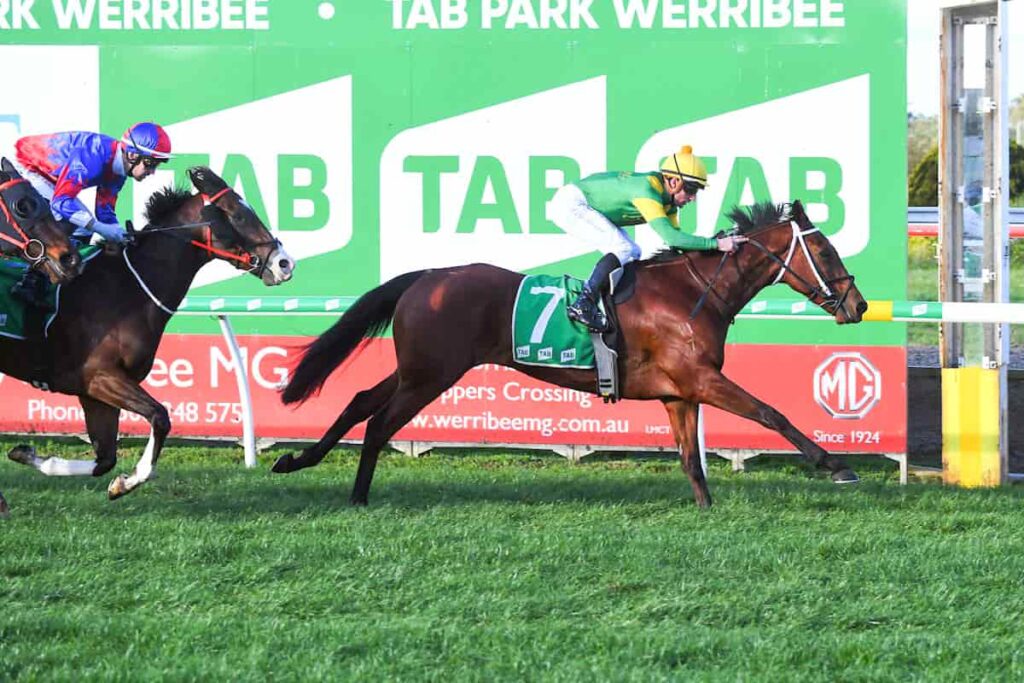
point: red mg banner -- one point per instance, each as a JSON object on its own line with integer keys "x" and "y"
{"x": 845, "y": 398}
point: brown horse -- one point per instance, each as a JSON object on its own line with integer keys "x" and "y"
{"x": 449, "y": 320}
{"x": 29, "y": 231}
{"x": 103, "y": 342}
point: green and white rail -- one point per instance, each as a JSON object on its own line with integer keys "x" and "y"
{"x": 878, "y": 311}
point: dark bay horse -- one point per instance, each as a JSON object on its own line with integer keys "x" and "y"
{"x": 29, "y": 231}
{"x": 102, "y": 344}
{"x": 449, "y": 320}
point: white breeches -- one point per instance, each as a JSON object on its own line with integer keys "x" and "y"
{"x": 570, "y": 212}
{"x": 41, "y": 183}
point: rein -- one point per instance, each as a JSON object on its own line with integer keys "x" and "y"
{"x": 26, "y": 244}
{"x": 820, "y": 291}
{"x": 709, "y": 285}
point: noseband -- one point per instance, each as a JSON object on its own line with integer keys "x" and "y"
{"x": 250, "y": 261}
{"x": 820, "y": 291}
{"x": 33, "y": 249}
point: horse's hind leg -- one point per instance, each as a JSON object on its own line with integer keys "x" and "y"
{"x": 682, "y": 415}
{"x": 120, "y": 391}
{"x": 101, "y": 422}
{"x": 4, "y": 510}
{"x": 51, "y": 466}
{"x": 407, "y": 401}
{"x": 363, "y": 405}
{"x": 721, "y": 392}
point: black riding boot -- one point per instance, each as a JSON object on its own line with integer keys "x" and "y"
{"x": 585, "y": 309}
{"x": 33, "y": 289}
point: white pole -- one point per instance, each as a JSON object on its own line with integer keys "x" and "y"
{"x": 244, "y": 397}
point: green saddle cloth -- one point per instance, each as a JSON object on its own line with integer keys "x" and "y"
{"x": 17, "y": 319}
{"x": 542, "y": 333}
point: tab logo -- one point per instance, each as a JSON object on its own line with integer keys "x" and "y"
{"x": 475, "y": 187}
{"x": 813, "y": 146}
{"x": 289, "y": 156}
{"x": 522, "y": 351}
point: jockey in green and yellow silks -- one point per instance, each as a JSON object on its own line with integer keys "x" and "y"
{"x": 598, "y": 206}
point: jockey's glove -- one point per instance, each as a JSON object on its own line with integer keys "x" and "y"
{"x": 111, "y": 232}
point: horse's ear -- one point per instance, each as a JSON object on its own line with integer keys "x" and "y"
{"x": 8, "y": 169}
{"x": 799, "y": 215}
{"x": 206, "y": 180}
{"x": 798, "y": 210}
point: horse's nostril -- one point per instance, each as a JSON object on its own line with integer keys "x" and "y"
{"x": 862, "y": 307}
{"x": 285, "y": 265}
{"x": 69, "y": 260}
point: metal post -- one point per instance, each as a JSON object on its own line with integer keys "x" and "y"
{"x": 244, "y": 397}
{"x": 974, "y": 235}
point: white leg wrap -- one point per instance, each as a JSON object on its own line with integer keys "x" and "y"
{"x": 59, "y": 467}
{"x": 143, "y": 470}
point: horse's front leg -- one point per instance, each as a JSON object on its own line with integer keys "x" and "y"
{"x": 682, "y": 415}
{"x": 717, "y": 390}
{"x": 119, "y": 391}
{"x": 4, "y": 510}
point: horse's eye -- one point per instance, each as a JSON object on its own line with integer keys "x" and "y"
{"x": 25, "y": 207}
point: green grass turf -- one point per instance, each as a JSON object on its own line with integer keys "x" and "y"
{"x": 506, "y": 567}
{"x": 923, "y": 285}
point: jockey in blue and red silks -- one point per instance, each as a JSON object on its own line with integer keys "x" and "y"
{"x": 61, "y": 165}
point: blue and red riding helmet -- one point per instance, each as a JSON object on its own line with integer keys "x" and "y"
{"x": 147, "y": 139}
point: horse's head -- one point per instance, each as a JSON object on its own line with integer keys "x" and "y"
{"x": 29, "y": 230}
{"x": 802, "y": 257}
{"x": 237, "y": 234}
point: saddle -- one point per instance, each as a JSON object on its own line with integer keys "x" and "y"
{"x": 607, "y": 344}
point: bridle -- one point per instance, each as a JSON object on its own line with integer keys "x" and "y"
{"x": 822, "y": 293}
{"x": 252, "y": 262}
{"x": 246, "y": 256}
{"x": 33, "y": 249}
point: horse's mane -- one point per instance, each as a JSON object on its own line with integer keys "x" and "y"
{"x": 746, "y": 219}
{"x": 165, "y": 202}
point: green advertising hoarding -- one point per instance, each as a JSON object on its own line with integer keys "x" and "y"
{"x": 381, "y": 136}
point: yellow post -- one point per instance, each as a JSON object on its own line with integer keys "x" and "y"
{"x": 970, "y": 427}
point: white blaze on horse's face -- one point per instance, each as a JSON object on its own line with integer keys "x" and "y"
{"x": 280, "y": 266}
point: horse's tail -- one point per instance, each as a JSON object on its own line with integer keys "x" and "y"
{"x": 368, "y": 317}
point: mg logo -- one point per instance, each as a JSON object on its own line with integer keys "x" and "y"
{"x": 847, "y": 386}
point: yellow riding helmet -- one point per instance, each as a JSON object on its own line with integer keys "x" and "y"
{"x": 683, "y": 163}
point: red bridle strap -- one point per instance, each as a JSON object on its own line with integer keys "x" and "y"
{"x": 223, "y": 253}
{"x": 211, "y": 200}
{"x": 10, "y": 219}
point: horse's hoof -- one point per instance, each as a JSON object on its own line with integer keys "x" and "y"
{"x": 118, "y": 487}
{"x": 358, "y": 503}
{"x": 5, "y": 511}
{"x": 846, "y": 476}
{"x": 23, "y": 454}
{"x": 283, "y": 465}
